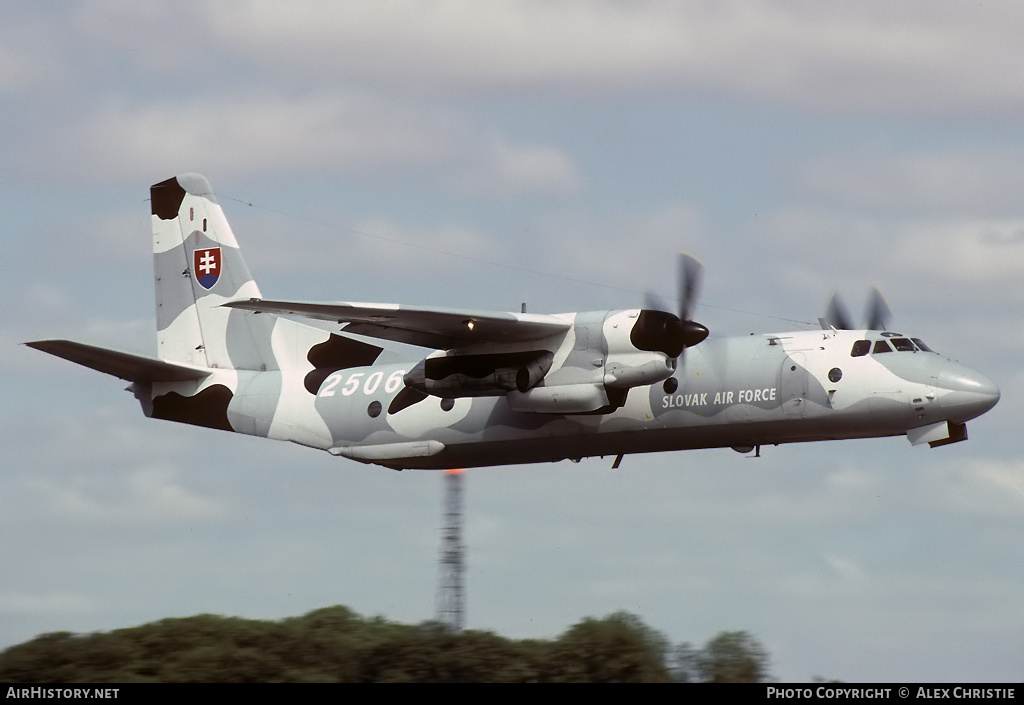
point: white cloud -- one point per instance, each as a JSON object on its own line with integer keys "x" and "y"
{"x": 987, "y": 487}
{"x": 917, "y": 57}
{"x": 46, "y": 603}
{"x": 501, "y": 168}
{"x": 935, "y": 56}
{"x": 972, "y": 252}
{"x": 151, "y": 495}
{"x": 355, "y": 134}
{"x": 409, "y": 248}
{"x": 940, "y": 181}
{"x": 28, "y": 56}
{"x": 229, "y": 134}
{"x": 629, "y": 255}
{"x": 1005, "y": 479}
{"x": 846, "y": 569}
{"x": 619, "y": 259}
{"x": 46, "y": 299}
{"x": 378, "y": 257}
{"x": 157, "y": 493}
{"x": 960, "y": 253}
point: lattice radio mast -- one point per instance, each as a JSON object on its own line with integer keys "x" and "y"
{"x": 451, "y": 594}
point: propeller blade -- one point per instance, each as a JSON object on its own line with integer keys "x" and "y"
{"x": 837, "y": 314}
{"x": 659, "y": 328}
{"x": 879, "y": 312}
{"x": 653, "y": 302}
{"x": 689, "y": 273}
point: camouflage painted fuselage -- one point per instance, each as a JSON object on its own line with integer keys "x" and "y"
{"x": 733, "y": 392}
{"x": 500, "y": 388}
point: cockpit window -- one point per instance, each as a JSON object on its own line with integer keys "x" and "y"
{"x": 861, "y": 347}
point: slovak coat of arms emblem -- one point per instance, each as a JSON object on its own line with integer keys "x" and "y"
{"x": 206, "y": 266}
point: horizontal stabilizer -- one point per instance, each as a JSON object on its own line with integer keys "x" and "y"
{"x": 440, "y": 329}
{"x": 134, "y": 368}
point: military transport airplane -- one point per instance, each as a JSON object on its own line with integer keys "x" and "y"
{"x": 504, "y": 388}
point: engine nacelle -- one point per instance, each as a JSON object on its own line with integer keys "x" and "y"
{"x": 638, "y": 353}
{"x": 562, "y": 399}
{"x": 482, "y": 375}
{"x": 607, "y": 354}
{"x": 637, "y": 370}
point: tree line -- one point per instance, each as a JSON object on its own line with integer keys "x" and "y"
{"x": 335, "y": 644}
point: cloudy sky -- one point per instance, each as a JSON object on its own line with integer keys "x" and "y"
{"x": 485, "y": 154}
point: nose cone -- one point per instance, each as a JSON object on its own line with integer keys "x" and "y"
{"x": 968, "y": 394}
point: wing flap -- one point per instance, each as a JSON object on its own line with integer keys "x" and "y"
{"x": 135, "y": 368}
{"x": 440, "y": 329}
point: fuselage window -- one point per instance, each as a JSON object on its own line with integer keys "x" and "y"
{"x": 861, "y": 347}
{"x": 920, "y": 344}
{"x": 903, "y": 345}
{"x": 881, "y": 347}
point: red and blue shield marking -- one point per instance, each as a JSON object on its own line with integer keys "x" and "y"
{"x": 206, "y": 266}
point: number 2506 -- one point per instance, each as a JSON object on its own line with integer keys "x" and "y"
{"x": 370, "y": 385}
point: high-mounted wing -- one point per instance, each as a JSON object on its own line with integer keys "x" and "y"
{"x": 134, "y": 368}
{"x": 440, "y": 329}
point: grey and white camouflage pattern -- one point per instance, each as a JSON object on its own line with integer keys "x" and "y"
{"x": 500, "y": 388}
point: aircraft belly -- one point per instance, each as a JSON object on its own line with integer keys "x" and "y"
{"x": 490, "y": 434}
{"x": 517, "y": 448}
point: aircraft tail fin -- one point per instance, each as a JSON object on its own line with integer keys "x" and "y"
{"x": 197, "y": 267}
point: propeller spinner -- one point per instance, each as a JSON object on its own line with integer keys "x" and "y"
{"x": 658, "y": 329}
